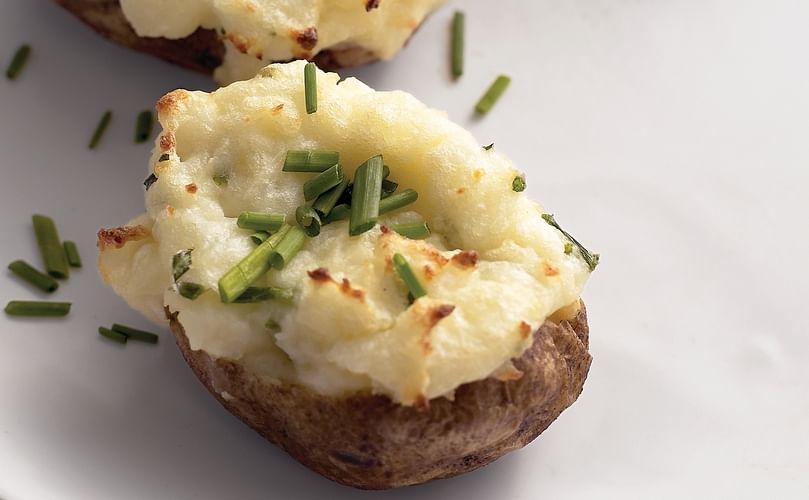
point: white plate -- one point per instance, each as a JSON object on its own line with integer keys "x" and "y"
{"x": 669, "y": 135}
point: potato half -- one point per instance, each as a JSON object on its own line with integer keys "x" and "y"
{"x": 346, "y": 373}
{"x": 235, "y": 38}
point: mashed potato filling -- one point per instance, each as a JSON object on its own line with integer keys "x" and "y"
{"x": 259, "y": 31}
{"x": 494, "y": 270}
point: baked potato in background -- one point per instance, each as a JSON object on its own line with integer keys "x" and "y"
{"x": 351, "y": 378}
{"x": 234, "y": 39}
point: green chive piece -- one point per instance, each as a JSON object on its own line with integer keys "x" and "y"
{"x": 385, "y": 171}
{"x": 189, "y": 290}
{"x": 33, "y": 276}
{"x": 408, "y": 276}
{"x": 414, "y": 230}
{"x": 457, "y": 43}
{"x": 181, "y": 263}
{"x": 298, "y": 160}
{"x": 319, "y": 184}
{"x": 251, "y": 268}
{"x": 18, "y": 61}
{"x": 518, "y": 184}
{"x": 135, "y": 334}
{"x": 288, "y": 247}
{"x": 261, "y": 294}
{"x": 310, "y": 87}
{"x": 258, "y": 221}
{"x": 309, "y": 220}
{"x": 72, "y": 254}
{"x": 591, "y": 259}
{"x": 489, "y": 147}
{"x": 100, "y": 129}
{"x": 149, "y": 181}
{"x": 259, "y": 237}
{"x": 365, "y": 196}
{"x": 53, "y": 253}
{"x": 340, "y": 212}
{"x": 326, "y": 201}
{"x": 37, "y": 308}
{"x": 112, "y": 335}
{"x": 396, "y": 201}
{"x": 388, "y": 187}
{"x": 272, "y": 326}
{"x": 164, "y": 157}
{"x": 568, "y": 248}
{"x": 143, "y": 126}
{"x": 221, "y": 179}
{"x": 491, "y": 96}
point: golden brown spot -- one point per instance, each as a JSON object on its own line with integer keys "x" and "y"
{"x": 321, "y": 274}
{"x": 435, "y": 256}
{"x": 429, "y": 272}
{"x": 371, "y": 5}
{"x": 354, "y": 293}
{"x": 422, "y": 404}
{"x": 278, "y": 109}
{"x": 385, "y": 229}
{"x": 307, "y": 38}
{"x": 169, "y": 101}
{"x": 241, "y": 43}
{"x": 259, "y": 55}
{"x": 549, "y": 269}
{"x": 120, "y": 236}
{"x": 525, "y": 329}
{"x": 461, "y": 190}
{"x": 191, "y": 188}
{"x": 167, "y": 141}
{"x": 467, "y": 258}
{"x": 170, "y": 210}
{"x": 438, "y": 313}
{"x": 477, "y": 174}
{"x": 412, "y": 24}
{"x": 508, "y": 374}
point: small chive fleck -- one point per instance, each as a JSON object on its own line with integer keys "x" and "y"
{"x": 164, "y": 157}
{"x": 489, "y": 147}
{"x": 149, "y": 181}
{"x": 568, "y": 248}
{"x": 181, "y": 263}
{"x": 272, "y": 326}
{"x": 72, "y": 254}
{"x": 591, "y": 259}
{"x": 414, "y": 230}
{"x": 310, "y": 87}
{"x": 18, "y": 61}
{"x": 491, "y": 96}
{"x": 518, "y": 184}
{"x": 143, "y": 126}
{"x": 103, "y": 123}
{"x": 190, "y": 291}
{"x": 221, "y": 179}
{"x": 260, "y": 294}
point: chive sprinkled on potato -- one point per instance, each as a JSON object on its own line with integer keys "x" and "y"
{"x": 413, "y": 230}
{"x": 181, "y": 263}
{"x": 518, "y": 184}
{"x": 324, "y": 181}
{"x": 310, "y": 161}
{"x": 365, "y": 197}
{"x": 310, "y": 87}
{"x": 251, "y": 268}
{"x": 309, "y": 220}
{"x": 189, "y": 290}
{"x": 260, "y": 221}
{"x": 591, "y": 259}
{"x": 408, "y": 276}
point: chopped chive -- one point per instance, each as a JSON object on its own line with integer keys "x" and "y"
{"x": 272, "y": 326}
{"x": 365, "y": 196}
{"x": 414, "y": 230}
{"x": 143, "y": 126}
{"x": 18, "y": 61}
{"x": 388, "y": 187}
{"x": 591, "y": 259}
{"x": 396, "y": 201}
{"x": 310, "y": 161}
{"x": 259, "y": 237}
{"x": 112, "y": 335}
{"x": 319, "y": 184}
{"x": 190, "y": 291}
{"x": 310, "y": 87}
{"x": 181, "y": 263}
{"x": 408, "y": 276}
{"x": 250, "y": 268}
{"x": 457, "y": 43}
{"x": 309, "y": 220}
{"x": 149, "y": 181}
{"x": 258, "y": 221}
{"x": 263, "y": 293}
{"x": 221, "y": 179}
{"x": 568, "y": 248}
{"x": 72, "y": 254}
{"x": 489, "y": 147}
{"x": 53, "y": 253}
{"x": 518, "y": 184}
{"x": 493, "y": 94}
{"x": 135, "y": 334}
{"x": 33, "y": 276}
{"x": 164, "y": 157}
{"x": 326, "y": 201}
{"x": 340, "y": 212}
{"x": 100, "y": 129}
{"x": 37, "y": 308}
{"x": 288, "y": 247}
{"x": 385, "y": 171}
{"x": 348, "y": 192}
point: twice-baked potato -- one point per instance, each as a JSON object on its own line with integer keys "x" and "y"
{"x": 235, "y": 38}
{"x": 346, "y": 366}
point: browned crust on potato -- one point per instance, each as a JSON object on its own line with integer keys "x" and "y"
{"x": 201, "y": 51}
{"x": 117, "y": 237}
{"x": 367, "y": 441}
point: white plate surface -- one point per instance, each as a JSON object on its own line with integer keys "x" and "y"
{"x": 672, "y": 136}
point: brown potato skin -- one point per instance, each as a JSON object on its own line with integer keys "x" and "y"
{"x": 369, "y": 442}
{"x": 202, "y": 51}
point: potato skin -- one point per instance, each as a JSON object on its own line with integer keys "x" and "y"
{"x": 202, "y": 51}
{"x": 369, "y": 442}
